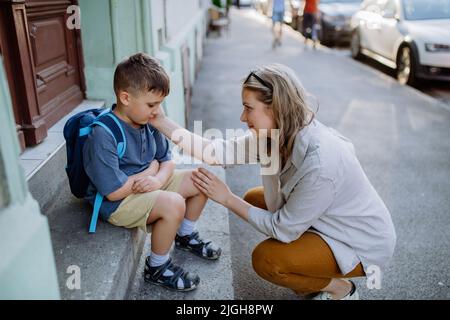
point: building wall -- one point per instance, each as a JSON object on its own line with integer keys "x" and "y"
{"x": 157, "y": 18}
{"x": 179, "y": 14}
{"x": 110, "y": 31}
{"x": 27, "y": 266}
{"x": 113, "y": 29}
{"x": 184, "y": 26}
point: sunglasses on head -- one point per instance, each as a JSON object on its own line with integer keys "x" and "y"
{"x": 264, "y": 83}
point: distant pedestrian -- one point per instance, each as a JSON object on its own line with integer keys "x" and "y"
{"x": 310, "y": 14}
{"x": 277, "y": 20}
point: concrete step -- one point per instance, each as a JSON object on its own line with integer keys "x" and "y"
{"x": 216, "y": 281}
{"x": 107, "y": 260}
{"x": 110, "y": 262}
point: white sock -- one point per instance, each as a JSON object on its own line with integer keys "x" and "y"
{"x": 157, "y": 260}
{"x": 187, "y": 227}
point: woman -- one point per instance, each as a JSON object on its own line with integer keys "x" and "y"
{"x": 324, "y": 220}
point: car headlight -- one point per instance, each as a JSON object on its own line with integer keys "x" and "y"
{"x": 437, "y": 47}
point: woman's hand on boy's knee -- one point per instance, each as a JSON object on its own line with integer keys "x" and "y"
{"x": 146, "y": 184}
{"x": 211, "y": 186}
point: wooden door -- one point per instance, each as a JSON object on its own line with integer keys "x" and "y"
{"x": 45, "y": 64}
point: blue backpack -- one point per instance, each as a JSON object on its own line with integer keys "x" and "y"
{"x": 76, "y": 130}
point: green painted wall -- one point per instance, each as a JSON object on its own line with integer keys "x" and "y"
{"x": 171, "y": 58}
{"x": 113, "y": 29}
{"x": 98, "y": 48}
{"x": 27, "y": 266}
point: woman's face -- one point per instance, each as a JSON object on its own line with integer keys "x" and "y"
{"x": 256, "y": 114}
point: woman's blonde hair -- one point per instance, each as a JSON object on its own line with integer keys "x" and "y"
{"x": 278, "y": 87}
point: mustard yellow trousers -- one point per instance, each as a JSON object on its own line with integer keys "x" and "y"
{"x": 305, "y": 265}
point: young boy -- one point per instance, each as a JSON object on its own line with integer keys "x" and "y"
{"x": 143, "y": 189}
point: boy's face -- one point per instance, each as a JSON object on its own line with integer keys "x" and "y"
{"x": 141, "y": 107}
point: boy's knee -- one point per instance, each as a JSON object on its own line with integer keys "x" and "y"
{"x": 188, "y": 189}
{"x": 178, "y": 203}
{"x": 172, "y": 206}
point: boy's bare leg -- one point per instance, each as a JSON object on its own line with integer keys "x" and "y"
{"x": 187, "y": 237}
{"x": 195, "y": 200}
{"x": 166, "y": 216}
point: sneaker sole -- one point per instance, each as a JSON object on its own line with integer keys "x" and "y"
{"x": 170, "y": 288}
{"x": 197, "y": 254}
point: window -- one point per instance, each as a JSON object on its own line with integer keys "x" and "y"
{"x": 425, "y": 9}
{"x": 389, "y": 8}
{"x": 367, "y": 4}
{"x": 373, "y": 6}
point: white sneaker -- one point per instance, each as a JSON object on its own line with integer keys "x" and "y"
{"x": 353, "y": 295}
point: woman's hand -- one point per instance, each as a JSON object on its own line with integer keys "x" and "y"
{"x": 158, "y": 118}
{"x": 211, "y": 186}
{"x": 146, "y": 184}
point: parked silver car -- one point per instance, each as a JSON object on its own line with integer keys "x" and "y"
{"x": 410, "y": 36}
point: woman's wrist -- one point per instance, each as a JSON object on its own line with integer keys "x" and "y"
{"x": 167, "y": 127}
{"x": 159, "y": 122}
{"x": 229, "y": 200}
{"x": 238, "y": 206}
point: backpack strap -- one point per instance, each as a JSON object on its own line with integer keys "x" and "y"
{"x": 111, "y": 124}
{"x": 97, "y": 204}
{"x": 122, "y": 141}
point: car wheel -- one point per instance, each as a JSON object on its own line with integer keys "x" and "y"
{"x": 355, "y": 46}
{"x": 406, "y": 66}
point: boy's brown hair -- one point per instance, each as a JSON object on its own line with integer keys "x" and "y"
{"x": 139, "y": 73}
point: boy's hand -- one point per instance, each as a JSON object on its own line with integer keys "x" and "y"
{"x": 146, "y": 184}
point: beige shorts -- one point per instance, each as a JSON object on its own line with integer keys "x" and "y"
{"x": 134, "y": 210}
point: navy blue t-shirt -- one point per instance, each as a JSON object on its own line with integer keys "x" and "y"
{"x": 107, "y": 172}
